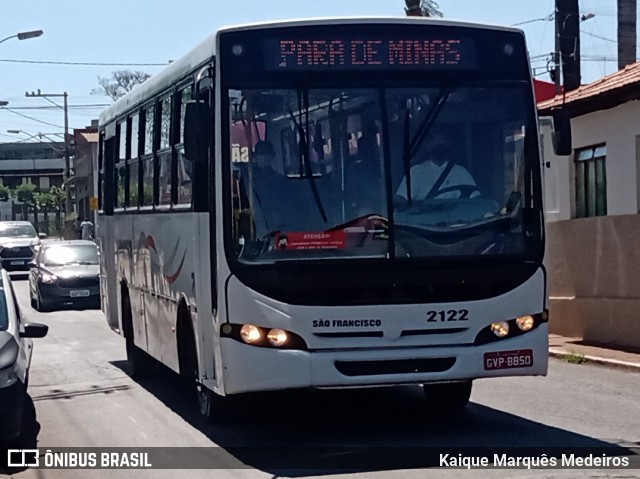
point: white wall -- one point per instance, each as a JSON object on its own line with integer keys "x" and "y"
{"x": 618, "y": 128}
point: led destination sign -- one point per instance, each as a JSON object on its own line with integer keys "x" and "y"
{"x": 369, "y": 53}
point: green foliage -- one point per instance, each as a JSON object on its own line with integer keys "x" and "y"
{"x": 148, "y": 196}
{"x": 25, "y": 193}
{"x": 45, "y": 200}
{"x": 58, "y": 197}
{"x": 5, "y": 193}
{"x": 574, "y": 358}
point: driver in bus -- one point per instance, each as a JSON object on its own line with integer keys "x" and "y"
{"x": 269, "y": 199}
{"x": 437, "y": 177}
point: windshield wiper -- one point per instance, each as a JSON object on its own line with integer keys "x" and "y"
{"x": 303, "y": 151}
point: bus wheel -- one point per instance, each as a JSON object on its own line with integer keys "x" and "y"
{"x": 206, "y": 401}
{"x": 140, "y": 363}
{"x": 448, "y": 396}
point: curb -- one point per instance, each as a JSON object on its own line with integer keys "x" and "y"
{"x": 561, "y": 353}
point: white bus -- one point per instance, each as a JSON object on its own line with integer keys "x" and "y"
{"x": 267, "y": 220}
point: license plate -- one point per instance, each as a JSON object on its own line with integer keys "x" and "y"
{"x": 15, "y": 263}
{"x": 520, "y": 358}
{"x": 79, "y": 293}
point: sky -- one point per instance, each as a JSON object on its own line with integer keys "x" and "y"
{"x": 146, "y": 34}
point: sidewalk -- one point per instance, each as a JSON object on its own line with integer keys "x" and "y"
{"x": 575, "y": 350}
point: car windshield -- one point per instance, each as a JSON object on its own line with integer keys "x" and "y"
{"x": 70, "y": 254}
{"x": 4, "y": 318}
{"x": 441, "y": 171}
{"x": 17, "y": 231}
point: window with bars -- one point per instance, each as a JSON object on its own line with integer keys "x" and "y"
{"x": 591, "y": 181}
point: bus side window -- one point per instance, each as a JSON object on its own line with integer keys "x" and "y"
{"x": 184, "y": 165}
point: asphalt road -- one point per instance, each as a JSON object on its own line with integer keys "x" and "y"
{"x": 83, "y": 397}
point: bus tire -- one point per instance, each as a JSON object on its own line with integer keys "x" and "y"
{"x": 448, "y": 396}
{"x": 206, "y": 400}
{"x": 210, "y": 404}
{"x": 139, "y": 363}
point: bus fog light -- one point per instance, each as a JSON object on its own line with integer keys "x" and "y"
{"x": 250, "y": 334}
{"x": 500, "y": 329}
{"x": 525, "y": 323}
{"x": 277, "y": 337}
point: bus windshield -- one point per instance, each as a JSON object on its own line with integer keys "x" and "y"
{"x": 438, "y": 171}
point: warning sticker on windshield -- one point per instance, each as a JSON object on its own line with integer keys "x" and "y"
{"x": 311, "y": 240}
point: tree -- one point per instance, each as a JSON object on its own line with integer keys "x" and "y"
{"x": 26, "y": 194}
{"x": 5, "y": 193}
{"x": 422, "y": 8}
{"x": 121, "y": 83}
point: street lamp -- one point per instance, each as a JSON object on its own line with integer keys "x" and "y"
{"x": 3, "y": 103}
{"x": 24, "y": 35}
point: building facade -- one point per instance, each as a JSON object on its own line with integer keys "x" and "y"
{"x": 592, "y": 204}
{"x": 39, "y": 163}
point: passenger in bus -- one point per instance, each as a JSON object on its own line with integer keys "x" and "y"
{"x": 437, "y": 177}
{"x": 364, "y": 176}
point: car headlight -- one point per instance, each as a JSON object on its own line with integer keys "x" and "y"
{"x": 48, "y": 278}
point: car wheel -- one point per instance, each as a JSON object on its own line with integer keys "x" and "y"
{"x": 40, "y": 306}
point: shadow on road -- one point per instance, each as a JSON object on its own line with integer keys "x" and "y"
{"x": 301, "y": 433}
{"x": 28, "y": 439}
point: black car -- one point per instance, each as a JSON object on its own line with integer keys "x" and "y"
{"x": 65, "y": 273}
{"x": 15, "y": 358}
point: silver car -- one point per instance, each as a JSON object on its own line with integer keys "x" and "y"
{"x": 15, "y": 358}
{"x": 19, "y": 243}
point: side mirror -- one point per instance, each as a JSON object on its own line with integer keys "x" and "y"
{"x": 562, "y": 131}
{"x": 198, "y": 131}
{"x": 34, "y": 330}
{"x": 42, "y": 235}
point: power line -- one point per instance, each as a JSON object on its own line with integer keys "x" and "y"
{"x": 598, "y": 36}
{"x": 29, "y": 117}
{"x": 46, "y": 62}
{"x": 74, "y": 107}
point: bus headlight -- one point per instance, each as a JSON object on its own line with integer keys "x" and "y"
{"x": 250, "y": 334}
{"x": 525, "y": 323}
{"x": 277, "y": 337}
{"x": 500, "y": 329}
{"x": 261, "y": 337}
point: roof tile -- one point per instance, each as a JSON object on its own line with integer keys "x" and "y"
{"x": 629, "y": 75}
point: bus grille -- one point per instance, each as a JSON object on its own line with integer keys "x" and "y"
{"x": 400, "y": 366}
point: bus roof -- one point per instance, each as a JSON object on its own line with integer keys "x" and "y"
{"x": 205, "y": 51}
{"x": 366, "y": 20}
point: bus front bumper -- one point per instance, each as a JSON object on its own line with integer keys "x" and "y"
{"x": 251, "y": 369}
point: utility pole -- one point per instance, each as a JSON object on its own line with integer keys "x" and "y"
{"x": 626, "y": 32}
{"x": 567, "y": 44}
{"x": 67, "y": 160}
